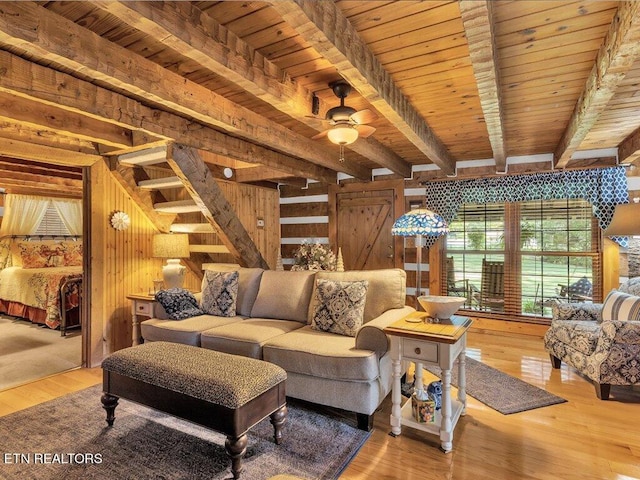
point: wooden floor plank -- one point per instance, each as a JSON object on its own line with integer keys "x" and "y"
{"x": 584, "y": 438}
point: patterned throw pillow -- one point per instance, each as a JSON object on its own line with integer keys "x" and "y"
{"x": 178, "y": 303}
{"x": 340, "y": 307}
{"x": 620, "y": 306}
{"x": 40, "y": 254}
{"x": 219, "y": 293}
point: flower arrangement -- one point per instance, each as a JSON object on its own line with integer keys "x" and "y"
{"x": 314, "y": 256}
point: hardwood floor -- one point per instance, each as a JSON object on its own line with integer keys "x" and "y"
{"x": 585, "y": 438}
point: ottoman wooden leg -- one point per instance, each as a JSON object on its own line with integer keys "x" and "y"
{"x": 278, "y": 419}
{"x": 236, "y": 447}
{"x": 109, "y": 403}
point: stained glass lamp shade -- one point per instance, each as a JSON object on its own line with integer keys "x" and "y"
{"x": 418, "y": 223}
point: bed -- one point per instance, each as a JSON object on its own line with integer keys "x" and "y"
{"x": 42, "y": 281}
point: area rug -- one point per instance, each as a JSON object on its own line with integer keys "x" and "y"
{"x": 500, "y": 391}
{"x": 69, "y": 438}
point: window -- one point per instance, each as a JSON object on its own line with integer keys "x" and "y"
{"x": 518, "y": 258}
{"x": 52, "y": 224}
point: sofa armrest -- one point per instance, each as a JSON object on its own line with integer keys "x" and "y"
{"x": 371, "y": 336}
{"x": 577, "y": 311}
{"x": 620, "y": 332}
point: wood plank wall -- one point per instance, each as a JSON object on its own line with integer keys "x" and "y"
{"x": 303, "y": 212}
{"x": 121, "y": 261}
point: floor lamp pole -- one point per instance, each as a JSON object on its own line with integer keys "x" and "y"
{"x": 418, "y": 265}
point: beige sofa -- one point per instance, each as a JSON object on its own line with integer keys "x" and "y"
{"x": 273, "y": 323}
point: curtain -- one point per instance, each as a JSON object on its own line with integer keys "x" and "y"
{"x": 22, "y": 214}
{"x": 70, "y": 212}
{"x": 604, "y": 188}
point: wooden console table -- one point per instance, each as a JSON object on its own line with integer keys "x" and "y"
{"x": 438, "y": 343}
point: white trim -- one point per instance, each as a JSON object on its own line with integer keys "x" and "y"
{"x": 300, "y": 240}
{"x": 322, "y": 197}
{"x": 595, "y": 153}
{"x": 541, "y": 157}
{"x": 376, "y": 172}
{"x": 425, "y": 167}
{"x": 344, "y": 176}
{"x": 412, "y": 290}
{"x": 415, "y": 192}
{"x": 413, "y": 267}
{"x": 302, "y": 220}
{"x": 633, "y": 183}
{"x": 487, "y": 162}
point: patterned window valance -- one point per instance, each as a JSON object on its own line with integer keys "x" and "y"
{"x": 603, "y": 187}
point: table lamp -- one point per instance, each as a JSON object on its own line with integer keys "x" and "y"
{"x": 419, "y": 222}
{"x": 173, "y": 247}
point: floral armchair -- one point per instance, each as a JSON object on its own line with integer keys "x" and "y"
{"x": 601, "y": 341}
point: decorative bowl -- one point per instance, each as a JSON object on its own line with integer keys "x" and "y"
{"x": 441, "y": 307}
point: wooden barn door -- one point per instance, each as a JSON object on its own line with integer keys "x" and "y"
{"x": 360, "y": 220}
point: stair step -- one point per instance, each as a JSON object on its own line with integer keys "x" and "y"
{"x": 160, "y": 183}
{"x": 208, "y": 249}
{"x": 192, "y": 228}
{"x": 150, "y": 156}
{"x": 180, "y": 206}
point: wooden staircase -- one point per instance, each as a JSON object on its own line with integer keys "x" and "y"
{"x": 183, "y": 197}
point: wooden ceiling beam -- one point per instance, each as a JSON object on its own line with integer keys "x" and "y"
{"x": 329, "y": 32}
{"x": 12, "y": 165}
{"x": 629, "y": 148}
{"x": 477, "y": 19}
{"x": 186, "y": 29}
{"x": 43, "y": 190}
{"x": 30, "y": 151}
{"x": 41, "y": 136}
{"x": 617, "y": 54}
{"x": 197, "y": 179}
{"x": 48, "y": 37}
{"x": 9, "y": 175}
{"x": 43, "y": 84}
{"x": 62, "y": 122}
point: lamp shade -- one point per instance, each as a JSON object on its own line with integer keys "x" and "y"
{"x": 625, "y": 221}
{"x": 342, "y": 134}
{"x": 171, "y": 245}
{"x": 420, "y": 221}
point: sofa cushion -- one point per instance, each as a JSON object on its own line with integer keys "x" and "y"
{"x": 248, "y": 284}
{"x": 219, "y": 293}
{"x": 386, "y": 289}
{"x": 185, "y": 331}
{"x": 339, "y": 306}
{"x": 247, "y": 338}
{"x": 620, "y": 306}
{"x": 580, "y": 335}
{"x": 178, "y": 303}
{"x": 326, "y": 355}
{"x": 284, "y": 295}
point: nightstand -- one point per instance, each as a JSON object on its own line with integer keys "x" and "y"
{"x": 142, "y": 305}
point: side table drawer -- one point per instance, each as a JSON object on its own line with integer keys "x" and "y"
{"x": 418, "y": 350}
{"x": 143, "y": 308}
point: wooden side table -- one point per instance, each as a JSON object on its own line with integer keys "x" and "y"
{"x": 143, "y": 305}
{"x": 440, "y": 344}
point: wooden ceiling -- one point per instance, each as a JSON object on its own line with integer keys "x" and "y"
{"x": 449, "y": 82}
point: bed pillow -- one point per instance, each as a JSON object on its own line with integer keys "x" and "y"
{"x": 41, "y": 254}
{"x": 219, "y": 293}
{"x": 72, "y": 254}
{"x": 178, "y": 303}
{"x": 340, "y": 306}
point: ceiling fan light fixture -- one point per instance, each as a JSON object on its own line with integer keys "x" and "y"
{"x": 342, "y": 134}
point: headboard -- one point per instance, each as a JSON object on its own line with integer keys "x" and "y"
{"x": 40, "y": 250}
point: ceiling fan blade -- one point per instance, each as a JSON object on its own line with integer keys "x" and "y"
{"x": 319, "y": 135}
{"x": 365, "y": 130}
{"x": 363, "y": 116}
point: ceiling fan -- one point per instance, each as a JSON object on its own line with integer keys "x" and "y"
{"x": 347, "y": 124}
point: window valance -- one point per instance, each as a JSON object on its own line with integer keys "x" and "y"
{"x": 604, "y": 188}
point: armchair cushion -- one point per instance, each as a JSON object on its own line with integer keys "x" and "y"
{"x": 582, "y": 311}
{"x": 582, "y": 335}
{"x": 621, "y": 306}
